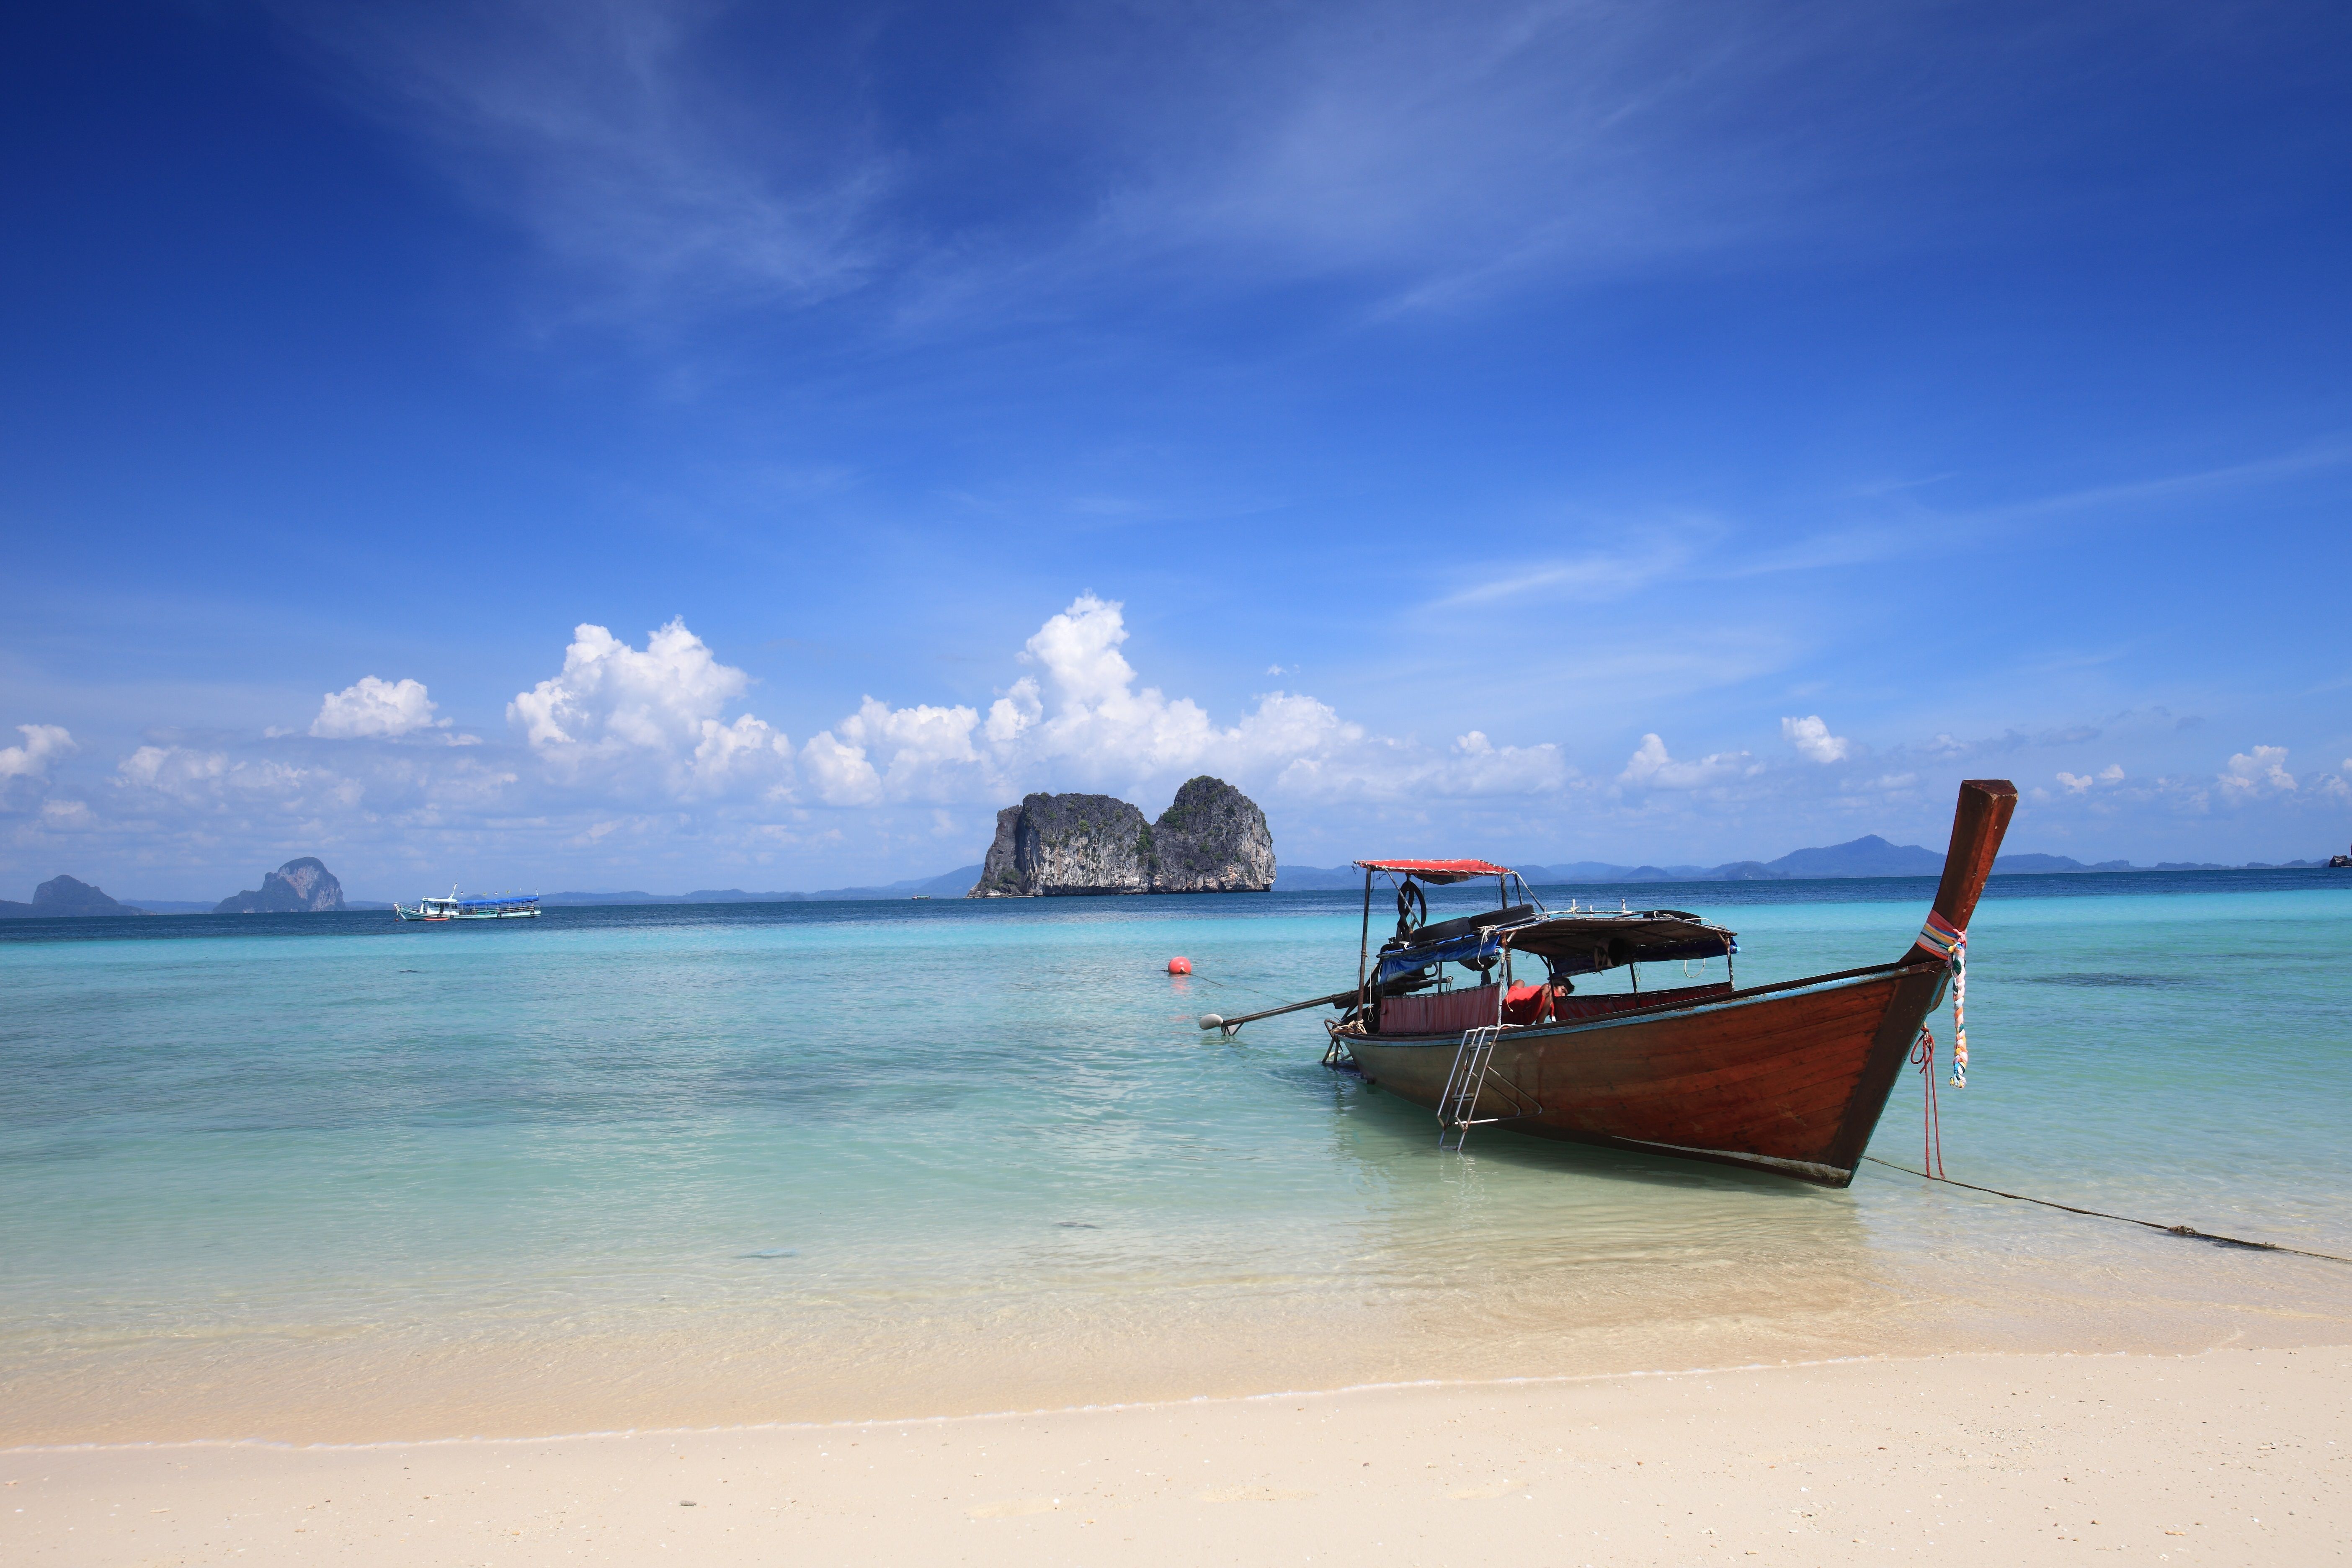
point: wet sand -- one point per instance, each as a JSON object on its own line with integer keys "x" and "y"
{"x": 2224, "y": 1457}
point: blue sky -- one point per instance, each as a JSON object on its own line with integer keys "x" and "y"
{"x": 695, "y": 444}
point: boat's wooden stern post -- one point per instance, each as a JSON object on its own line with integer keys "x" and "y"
{"x": 1979, "y": 820}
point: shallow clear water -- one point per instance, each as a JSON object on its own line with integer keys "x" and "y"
{"x": 333, "y": 1176}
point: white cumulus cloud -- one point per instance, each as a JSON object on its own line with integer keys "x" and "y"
{"x": 926, "y": 752}
{"x": 2260, "y": 772}
{"x": 615, "y": 709}
{"x": 43, "y": 743}
{"x": 372, "y": 707}
{"x": 1814, "y": 741}
{"x": 1650, "y": 767}
{"x": 1085, "y": 718}
{"x": 2081, "y": 783}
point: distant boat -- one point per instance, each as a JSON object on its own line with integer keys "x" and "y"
{"x": 1789, "y": 1077}
{"x": 506, "y": 906}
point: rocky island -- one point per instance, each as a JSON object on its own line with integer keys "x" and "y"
{"x": 64, "y": 896}
{"x": 1212, "y": 839}
{"x": 298, "y": 886}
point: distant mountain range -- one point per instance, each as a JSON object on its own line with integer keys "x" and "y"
{"x": 1869, "y": 856}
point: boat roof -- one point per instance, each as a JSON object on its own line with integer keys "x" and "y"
{"x": 1583, "y": 942}
{"x": 1437, "y": 871}
{"x": 1633, "y": 936}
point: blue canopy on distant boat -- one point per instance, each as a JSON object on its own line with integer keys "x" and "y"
{"x": 497, "y": 903}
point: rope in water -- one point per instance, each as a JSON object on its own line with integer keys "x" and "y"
{"x": 1941, "y": 936}
{"x": 2180, "y": 1230}
{"x": 1931, "y": 1129}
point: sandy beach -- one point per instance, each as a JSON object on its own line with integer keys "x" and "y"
{"x": 2226, "y": 1456}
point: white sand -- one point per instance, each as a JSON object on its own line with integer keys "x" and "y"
{"x": 2225, "y": 1456}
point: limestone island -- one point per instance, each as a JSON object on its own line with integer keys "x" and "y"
{"x": 1212, "y": 839}
{"x": 298, "y": 887}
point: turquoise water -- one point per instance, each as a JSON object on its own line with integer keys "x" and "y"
{"x": 334, "y": 1176}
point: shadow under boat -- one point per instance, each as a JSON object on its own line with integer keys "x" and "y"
{"x": 1789, "y": 1078}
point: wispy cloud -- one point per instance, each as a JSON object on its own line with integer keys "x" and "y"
{"x": 682, "y": 156}
{"x": 1600, "y": 573}
{"x": 622, "y": 138}
{"x": 1650, "y": 553}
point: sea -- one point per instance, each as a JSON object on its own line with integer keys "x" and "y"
{"x": 334, "y": 1178}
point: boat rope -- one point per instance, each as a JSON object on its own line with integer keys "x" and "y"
{"x": 1931, "y": 1127}
{"x": 1940, "y": 935}
{"x": 2188, "y": 1232}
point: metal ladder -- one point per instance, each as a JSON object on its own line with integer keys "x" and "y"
{"x": 1457, "y": 1108}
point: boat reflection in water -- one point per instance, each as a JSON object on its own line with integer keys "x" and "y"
{"x": 1789, "y": 1077}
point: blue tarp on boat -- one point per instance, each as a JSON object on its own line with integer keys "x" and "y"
{"x": 1478, "y": 945}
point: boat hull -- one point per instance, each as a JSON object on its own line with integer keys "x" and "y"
{"x": 1791, "y": 1082}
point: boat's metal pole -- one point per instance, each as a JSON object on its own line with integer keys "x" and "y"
{"x": 1393, "y": 988}
{"x": 1364, "y": 942}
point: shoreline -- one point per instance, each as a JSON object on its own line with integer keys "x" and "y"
{"x": 1459, "y": 1384}
{"x": 2036, "y": 1455}
{"x": 1463, "y": 1385}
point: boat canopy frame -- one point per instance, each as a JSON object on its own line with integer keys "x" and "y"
{"x": 1572, "y": 942}
{"x": 1581, "y": 942}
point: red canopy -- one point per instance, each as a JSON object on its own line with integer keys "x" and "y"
{"x": 1438, "y": 872}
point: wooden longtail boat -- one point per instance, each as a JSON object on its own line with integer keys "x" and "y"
{"x": 1789, "y": 1077}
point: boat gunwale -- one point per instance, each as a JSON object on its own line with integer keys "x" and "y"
{"x": 1518, "y": 1033}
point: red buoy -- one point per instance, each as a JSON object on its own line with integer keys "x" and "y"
{"x": 1179, "y": 966}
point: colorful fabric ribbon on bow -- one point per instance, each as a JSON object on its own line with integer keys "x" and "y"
{"x": 1942, "y": 936}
